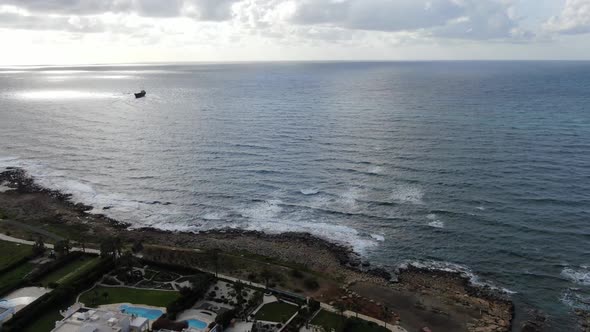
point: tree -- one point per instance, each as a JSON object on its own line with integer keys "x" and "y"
{"x": 137, "y": 246}
{"x": 239, "y": 288}
{"x": 39, "y": 247}
{"x": 386, "y": 313}
{"x": 266, "y": 275}
{"x": 341, "y": 308}
{"x": 63, "y": 247}
{"x": 105, "y": 294}
{"x": 214, "y": 254}
{"x": 107, "y": 248}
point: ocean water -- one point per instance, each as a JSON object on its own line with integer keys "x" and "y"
{"x": 482, "y": 167}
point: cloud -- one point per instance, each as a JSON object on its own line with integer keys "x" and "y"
{"x": 463, "y": 19}
{"x": 31, "y": 22}
{"x": 206, "y": 10}
{"x": 573, "y": 19}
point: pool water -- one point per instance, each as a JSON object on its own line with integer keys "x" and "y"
{"x": 151, "y": 314}
{"x": 197, "y": 323}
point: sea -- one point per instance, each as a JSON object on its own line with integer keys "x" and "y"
{"x": 479, "y": 167}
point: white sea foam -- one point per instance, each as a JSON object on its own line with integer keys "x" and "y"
{"x": 335, "y": 233}
{"x": 434, "y": 221}
{"x": 262, "y": 211}
{"x": 579, "y": 276}
{"x": 407, "y": 194}
{"x": 214, "y": 216}
{"x": 436, "y": 224}
{"x": 481, "y": 208}
{"x": 378, "y": 237}
{"x": 375, "y": 170}
{"x": 574, "y": 299}
{"x": 348, "y": 199}
{"x": 309, "y": 191}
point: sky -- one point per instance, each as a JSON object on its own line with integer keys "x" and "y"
{"x": 35, "y": 32}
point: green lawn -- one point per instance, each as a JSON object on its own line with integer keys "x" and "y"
{"x": 13, "y": 277}
{"x": 45, "y": 322}
{"x": 70, "y": 270}
{"x": 130, "y": 295}
{"x": 12, "y": 252}
{"x": 276, "y": 312}
{"x": 329, "y": 320}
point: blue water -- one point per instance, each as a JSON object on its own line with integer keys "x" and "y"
{"x": 481, "y": 166}
{"x": 151, "y": 314}
{"x": 197, "y": 324}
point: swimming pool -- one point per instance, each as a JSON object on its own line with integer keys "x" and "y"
{"x": 197, "y": 324}
{"x": 151, "y": 314}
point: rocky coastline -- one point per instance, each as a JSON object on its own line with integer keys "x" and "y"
{"x": 434, "y": 290}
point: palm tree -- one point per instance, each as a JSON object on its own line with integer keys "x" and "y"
{"x": 386, "y": 314}
{"x": 266, "y": 275}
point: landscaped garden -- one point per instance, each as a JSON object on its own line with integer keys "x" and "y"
{"x": 107, "y": 295}
{"x": 276, "y": 312}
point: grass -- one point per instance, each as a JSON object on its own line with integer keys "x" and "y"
{"x": 9, "y": 279}
{"x": 333, "y": 321}
{"x": 74, "y": 268}
{"x": 276, "y": 312}
{"x": 328, "y": 320}
{"x": 45, "y": 322}
{"x": 13, "y": 252}
{"x": 121, "y": 295}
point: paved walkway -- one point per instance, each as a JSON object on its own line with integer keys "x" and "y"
{"x": 32, "y": 229}
{"x": 348, "y": 313}
{"x": 7, "y": 238}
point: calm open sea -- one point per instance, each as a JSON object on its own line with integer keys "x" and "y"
{"x": 478, "y": 166}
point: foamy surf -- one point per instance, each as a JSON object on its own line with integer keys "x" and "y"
{"x": 434, "y": 221}
{"x": 309, "y": 191}
{"x": 406, "y": 193}
{"x": 580, "y": 276}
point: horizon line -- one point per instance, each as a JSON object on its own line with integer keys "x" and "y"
{"x": 2, "y": 66}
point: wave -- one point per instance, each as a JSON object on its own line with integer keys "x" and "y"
{"x": 434, "y": 221}
{"x": 309, "y": 191}
{"x": 574, "y": 299}
{"x": 378, "y": 237}
{"x": 579, "y": 276}
{"x": 408, "y": 194}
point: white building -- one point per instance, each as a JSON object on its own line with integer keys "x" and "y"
{"x": 81, "y": 319}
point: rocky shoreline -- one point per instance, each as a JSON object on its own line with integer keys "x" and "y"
{"x": 471, "y": 307}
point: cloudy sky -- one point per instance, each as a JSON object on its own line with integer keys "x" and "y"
{"x": 119, "y": 31}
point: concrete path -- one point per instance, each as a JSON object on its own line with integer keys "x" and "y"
{"x": 348, "y": 313}
{"x": 7, "y": 238}
{"x": 32, "y": 229}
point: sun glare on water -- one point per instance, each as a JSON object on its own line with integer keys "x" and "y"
{"x": 64, "y": 94}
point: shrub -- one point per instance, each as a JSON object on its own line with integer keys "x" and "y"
{"x": 311, "y": 284}
{"x": 297, "y": 274}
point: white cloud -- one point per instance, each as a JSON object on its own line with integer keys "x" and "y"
{"x": 573, "y": 19}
